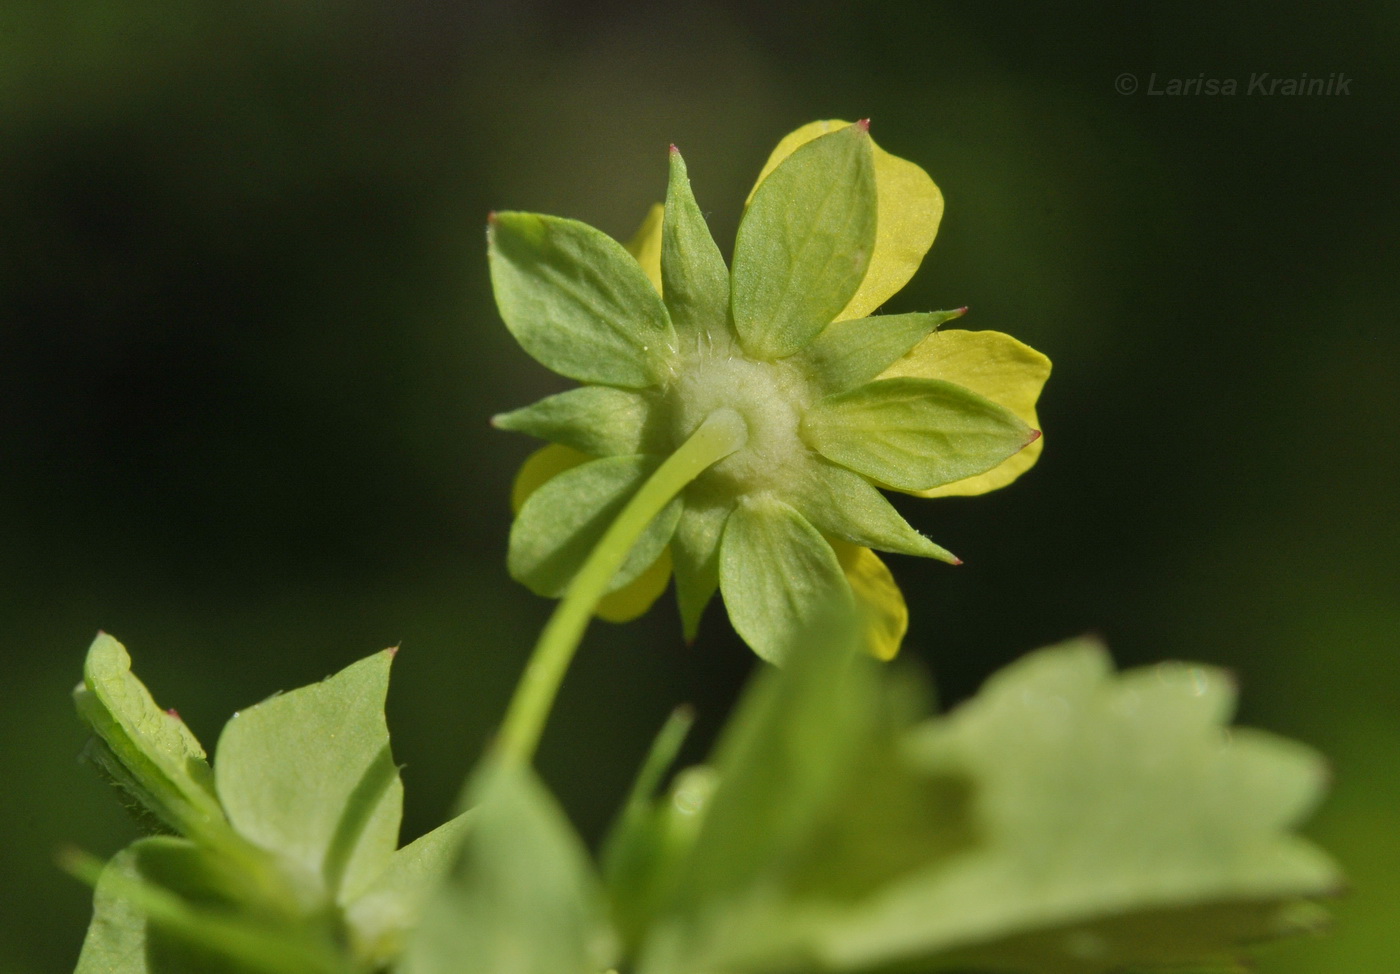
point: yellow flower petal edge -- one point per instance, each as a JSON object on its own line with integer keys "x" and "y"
{"x": 884, "y": 614}
{"x": 645, "y": 244}
{"x": 908, "y": 209}
{"x": 993, "y": 365}
{"x": 634, "y": 598}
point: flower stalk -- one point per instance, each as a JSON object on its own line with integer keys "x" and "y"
{"x": 722, "y": 433}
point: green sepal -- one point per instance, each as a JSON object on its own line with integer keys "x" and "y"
{"x": 148, "y": 752}
{"x": 1121, "y": 825}
{"x": 523, "y": 898}
{"x": 804, "y": 243}
{"x": 914, "y": 434}
{"x": 843, "y": 504}
{"x": 308, "y": 775}
{"x": 563, "y": 521}
{"x": 695, "y": 558}
{"x": 577, "y": 301}
{"x": 695, "y": 281}
{"x": 778, "y": 575}
{"x": 598, "y": 420}
{"x": 852, "y": 352}
{"x": 382, "y": 917}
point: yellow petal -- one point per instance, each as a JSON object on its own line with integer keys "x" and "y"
{"x": 885, "y": 617}
{"x": 543, "y": 465}
{"x": 634, "y": 598}
{"x": 908, "y": 208}
{"x": 645, "y": 244}
{"x": 990, "y": 364}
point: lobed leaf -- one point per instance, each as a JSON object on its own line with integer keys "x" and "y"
{"x": 390, "y": 909}
{"x": 163, "y": 906}
{"x": 148, "y": 752}
{"x": 308, "y": 775}
{"x": 814, "y": 809}
{"x": 1120, "y": 825}
{"x": 523, "y": 897}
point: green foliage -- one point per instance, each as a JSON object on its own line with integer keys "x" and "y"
{"x": 146, "y": 751}
{"x": 302, "y": 872}
{"x": 523, "y": 897}
{"x": 308, "y": 776}
{"x": 1066, "y": 820}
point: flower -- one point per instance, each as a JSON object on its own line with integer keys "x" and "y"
{"x": 838, "y": 404}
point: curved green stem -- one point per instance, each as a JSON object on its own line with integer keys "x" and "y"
{"x": 723, "y": 432}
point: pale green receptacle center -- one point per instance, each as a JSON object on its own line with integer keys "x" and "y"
{"x": 770, "y": 396}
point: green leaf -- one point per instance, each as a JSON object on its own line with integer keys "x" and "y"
{"x": 649, "y": 837}
{"x": 778, "y": 575}
{"x": 843, "y": 504}
{"x": 804, "y": 243}
{"x": 598, "y": 420}
{"x": 577, "y": 301}
{"x": 382, "y": 918}
{"x": 309, "y": 776}
{"x": 695, "y": 282}
{"x": 816, "y": 808}
{"x": 914, "y": 434}
{"x": 850, "y": 353}
{"x": 523, "y": 898}
{"x": 695, "y": 556}
{"x": 164, "y": 906}
{"x": 563, "y": 521}
{"x": 116, "y": 936}
{"x": 1120, "y": 824}
{"x": 148, "y": 752}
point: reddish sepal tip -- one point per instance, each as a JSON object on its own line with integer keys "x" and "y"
{"x": 863, "y": 125}
{"x": 491, "y": 218}
{"x": 173, "y": 712}
{"x": 956, "y": 561}
{"x": 673, "y": 149}
{"x": 1035, "y": 435}
{"x": 392, "y": 651}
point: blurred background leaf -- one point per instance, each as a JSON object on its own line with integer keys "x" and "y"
{"x": 247, "y": 353}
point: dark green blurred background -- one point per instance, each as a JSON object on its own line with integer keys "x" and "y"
{"x": 248, "y": 352}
